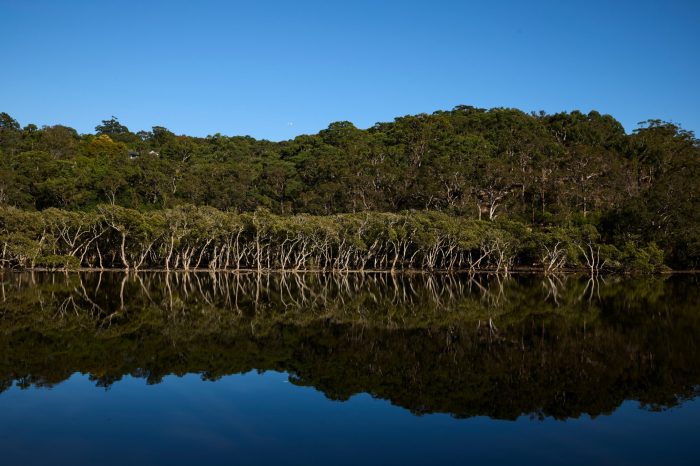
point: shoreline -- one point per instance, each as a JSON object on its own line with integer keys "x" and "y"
{"x": 516, "y": 270}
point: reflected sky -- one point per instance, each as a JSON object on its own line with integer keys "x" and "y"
{"x": 259, "y": 418}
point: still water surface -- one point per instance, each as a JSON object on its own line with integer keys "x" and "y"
{"x": 376, "y": 369}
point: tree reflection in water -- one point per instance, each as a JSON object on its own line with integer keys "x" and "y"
{"x": 467, "y": 345}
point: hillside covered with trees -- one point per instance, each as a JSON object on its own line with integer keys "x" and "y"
{"x": 463, "y": 189}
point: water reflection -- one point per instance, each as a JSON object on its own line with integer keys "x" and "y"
{"x": 467, "y": 345}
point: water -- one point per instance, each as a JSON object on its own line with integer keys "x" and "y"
{"x": 375, "y": 369}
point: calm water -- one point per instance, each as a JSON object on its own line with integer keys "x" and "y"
{"x": 375, "y": 369}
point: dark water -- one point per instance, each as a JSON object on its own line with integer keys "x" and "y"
{"x": 373, "y": 369}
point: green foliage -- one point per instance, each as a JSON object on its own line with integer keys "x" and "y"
{"x": 570, "y": 171}
{"x": 645, "y": 259}
{"x": 52, "y": 262}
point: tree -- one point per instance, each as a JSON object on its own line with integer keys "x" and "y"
{"x": 116, "y": 131}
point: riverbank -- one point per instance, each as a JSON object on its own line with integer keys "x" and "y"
{"x": 514, "y": 271}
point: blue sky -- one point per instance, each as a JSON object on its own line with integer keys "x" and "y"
{"x": 278, "y": 69}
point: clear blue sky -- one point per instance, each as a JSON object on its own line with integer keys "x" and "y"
{"x": 278, "y": 69}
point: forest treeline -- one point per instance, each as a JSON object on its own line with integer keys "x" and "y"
{"x": 461, "y": 189}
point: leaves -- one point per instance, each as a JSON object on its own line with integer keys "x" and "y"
{"x": 570, "y": 170}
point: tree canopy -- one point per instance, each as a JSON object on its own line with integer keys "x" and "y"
{"x": 544, "y": 171}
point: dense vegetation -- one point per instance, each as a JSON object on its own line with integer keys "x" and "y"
{"x": 467, "y": 188}
{"x": 456, "y": 343}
